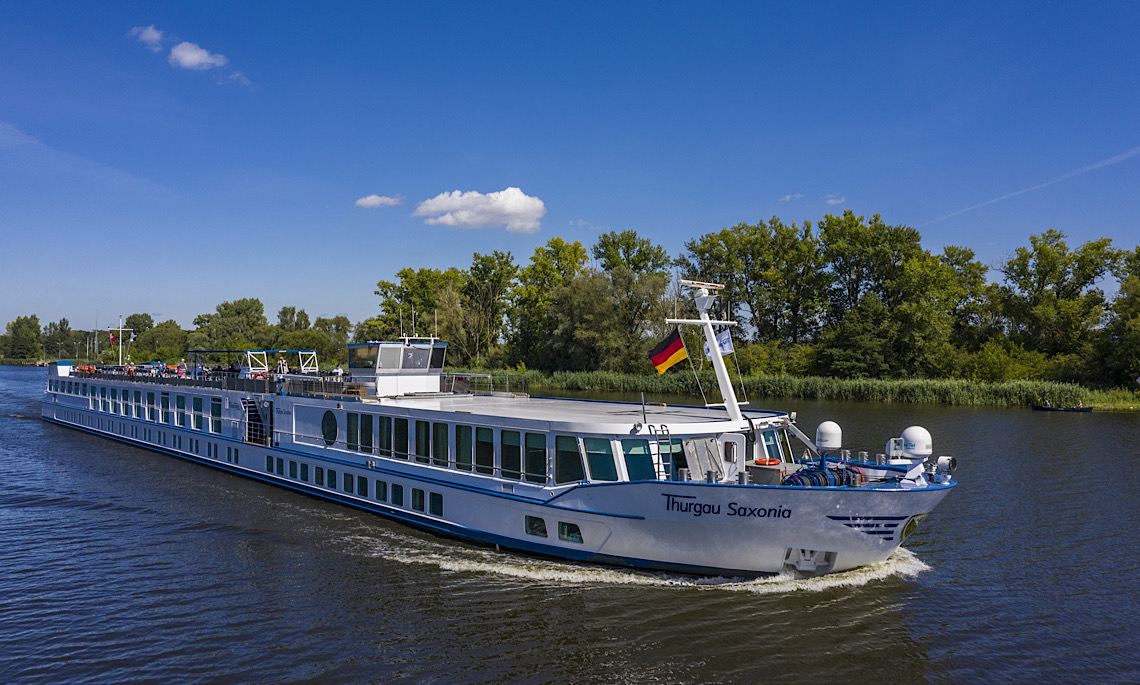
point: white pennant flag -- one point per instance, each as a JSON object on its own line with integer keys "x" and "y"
{"x": 723, "y": 342}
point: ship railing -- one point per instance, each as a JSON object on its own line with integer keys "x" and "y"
{"x": 216, "y": 381}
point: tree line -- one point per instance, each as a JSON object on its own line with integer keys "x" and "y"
{"x": 845, "y": 297}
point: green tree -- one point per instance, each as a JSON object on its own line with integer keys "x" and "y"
{"x": 139, "y": 323}
{"x": 165, "y": 341}
{"x": 56, "y": 339}
{"x": 551, "y": 267}
{"x": 638, "y": 274}
{"x": 865, "y": 257}
{"x": 1049, "y": 296}
{"x": 1120, "y": 350}
{"x": 237, "y": 322}
{"x": 486, "y": 293}
{"x": 337, "y": 328}
{"x": 24, "y": 337}
{"x": 408, "y": 307}
{"x": 292, "y": 319}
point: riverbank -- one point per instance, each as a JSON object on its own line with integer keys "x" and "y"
{"x": 1022, "y": 393}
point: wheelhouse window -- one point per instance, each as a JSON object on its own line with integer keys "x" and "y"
{"x": 638, "y": 459}
{"x": 510, "y": 454}
{"x": 362, "y": 357}
{"x": 600, "y": 458}
{"x": 536, "y": 457}
{"x": 567, "y": 460}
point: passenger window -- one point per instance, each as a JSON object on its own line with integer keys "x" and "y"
{"x": 510, "y": 454}
{"x": 382, "y": 490}
{"x": 535, "y": 526}
{"x": 397, "y": 494}
{"x": 362, "y": 486}
{"x": 567, "y": 460}
{"x": 366, "y": 433}
{"x": 304, "y": 469}
{"x": 463, "y": 447}
{"x": 600, "y": 457}
{"x": 332, "y": 480}
{"x": 536, "y": 457}
{"x": 348, "y": 484}
{"x": 570, "y": 532}
{"x": 319, "y": 476}
{"x": 353, "y": 431}
{"x": 401, "y": 438}
{"x": 439, "y": 444}
{"x": 385, "y": 443}
{"x": 423, "y": 441}
{"x": 435, "y": 503}
{"x": 638, "y": 459}
{"x": 484, "y": 450}
{"x": 417, "y": 499}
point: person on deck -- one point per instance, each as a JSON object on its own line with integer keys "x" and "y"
{"x": 338, "y": 372}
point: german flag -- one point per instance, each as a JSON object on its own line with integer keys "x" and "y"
{"x": 668, "y": 352}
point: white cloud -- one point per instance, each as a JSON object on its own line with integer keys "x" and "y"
{"x": 148, "y": 36}
{"x": 190, "y": 56}
{"x": 373, "y": 201}
{"x": 238, "y": 77}
{"x": 519, "y": 211}
{"x": 792, "y": 196}
{"x": 834, "y": 199}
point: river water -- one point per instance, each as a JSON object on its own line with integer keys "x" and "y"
{"x": 122, "y": 565}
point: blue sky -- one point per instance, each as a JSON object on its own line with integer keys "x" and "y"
{"x": 164, "y": 157}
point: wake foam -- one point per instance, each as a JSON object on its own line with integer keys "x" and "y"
{"x": 458, "y": 558}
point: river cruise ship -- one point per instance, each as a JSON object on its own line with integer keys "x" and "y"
{"x": 713, "y": 490}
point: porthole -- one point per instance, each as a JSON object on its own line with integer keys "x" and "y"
{"x": 329, "y": 428}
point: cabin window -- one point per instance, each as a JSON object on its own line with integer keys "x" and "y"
{"x": 215, "y": 415}
{"x": 785, "y": 444}
{"x": 293, "y": 470}
{"x": 435, "y": 504}
{"x": 362, "y": 486}
{"x": 114, "y": 400}
{"x": 280, "y": 463}
{"x": 600, "y": 457}
{"x": 179, "y": 406}
{"x": 329, "y": 428}
{"x": 417, "y": 499}
{"x": 463, "y": 447}
{"x": 138, "y": 403}
{"x": 319, "y": 475}
{"x": 103, "y": 397}
{"x": 511, "y": 454}
{"x": 268, "y": 462}
{"x": 382, "y": 490}
{"x": 353, "y": 431}
{"x": 349, "y": 486}
{"x": 235, "y": 451}
{"x": 484, "y": 450}
{"x": 570, "y": 532}
{"x": 384, "y": 445}
{"x": 638, "y": 459}
{"x": 166, "y": 407}
{"x": 366, "y": 433}
{"x": 535, "y": 526}
{"x": 439, "y": 444}
{"x": 397, "y": 494}
{"x": 331, "y": 479}
{"x": 304, "y": 472}
{"x": 197, "y": 413}
{"x": 150, "y": 406}
{"x": 400, "y": 438}
{"x": 536, "y": 457}
{"x": 567, "y": 460}
{"x": 423, "y": 441}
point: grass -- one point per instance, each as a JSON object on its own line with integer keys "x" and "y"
{"x": 924, "y": 391}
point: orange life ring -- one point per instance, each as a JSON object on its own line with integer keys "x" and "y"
{"x": 767, "y": 461}
{"x": 258, "y": 376}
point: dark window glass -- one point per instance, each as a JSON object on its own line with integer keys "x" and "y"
{"x": 353, "y": 431}
{"x": 439, "y": 444}
{"x": 567, "y": 460}
{"x": 292, "y": 469}
{"x": 384, "y": 445}
{"x": 638, "y": 459}
{"x": 417, "y": 499}
{"x": 510, "y": 454}
{"x": 329, "y": 429}
{"x": 362, "y": 486}
{"x": 382, "y": 490}
{"x": 435, "y": 503}
{"x": 536, "y": 457}
{"x": 535, "y": 526}
{"x": 280, "y": 464}
{"x": 600, "y": 456}
{"x": 423, "y": 441}
{"x": 400, "y": 438}
{"x": 332, "y": 479}
{"x": 304, "y": 470}
{"x": 484, "y": 450}
{"x": 366, "y": 433}
{"x": 397, "y": 494}
{"x": 348, "y": 484}
{"x": 268, "y": 463}
{"x": 319, "y": 476}
{"x": 570, "y": 532}
{"x": 463, "y": 447}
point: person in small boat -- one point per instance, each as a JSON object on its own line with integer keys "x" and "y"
{"x": 1080, "y": 404}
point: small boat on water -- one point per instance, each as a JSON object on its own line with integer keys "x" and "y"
{"x": 1037, "y": 407}
{"x": 711, "y": 490}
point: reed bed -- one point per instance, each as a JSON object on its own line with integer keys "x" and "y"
{"x": 923, "y": 391}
